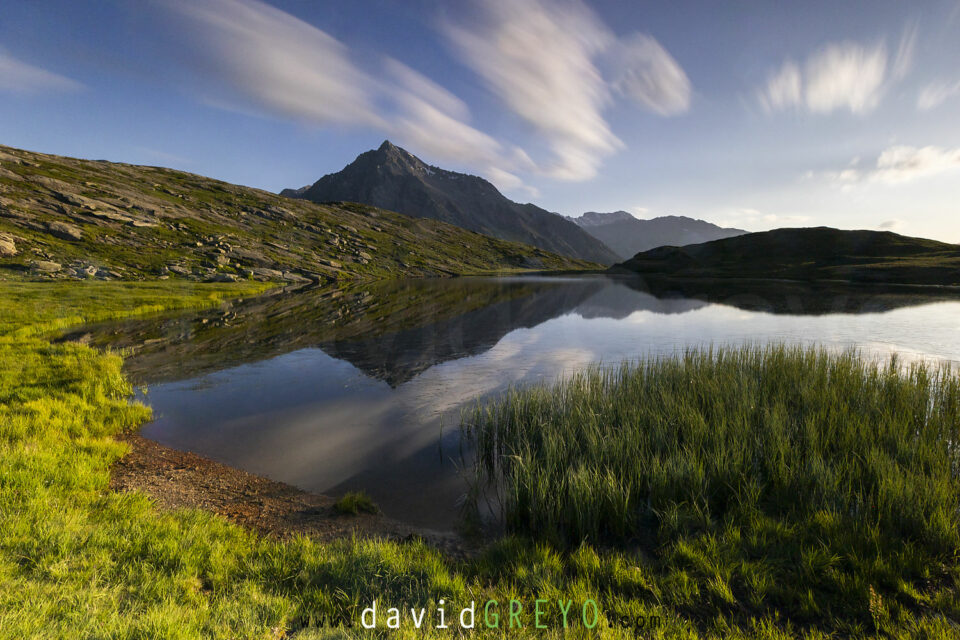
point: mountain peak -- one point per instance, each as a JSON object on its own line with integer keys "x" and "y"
{"x": 398, "y": 157}
{"x": 592, "y": 218}
{"x": 394, "y": 179}
{"x": 388, "y": 146}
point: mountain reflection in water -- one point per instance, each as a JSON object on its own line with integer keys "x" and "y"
{"x": 360, "y": 388}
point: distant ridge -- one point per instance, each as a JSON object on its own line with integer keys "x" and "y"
{"x": 627, "y": 235}
{"x": 392, "y": 178}
{"x": 818, "y": 253}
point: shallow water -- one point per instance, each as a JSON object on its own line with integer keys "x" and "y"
{"x": 362, "y": 389}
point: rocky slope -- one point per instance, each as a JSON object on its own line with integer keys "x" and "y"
{"x": 810, "y": 254}
{"x": 68, "y": 218}
{"x": 392, "y": 178}
{"x": 628, "y": 235}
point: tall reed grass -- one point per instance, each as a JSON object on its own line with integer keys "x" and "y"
{"x": 786, "y": 471}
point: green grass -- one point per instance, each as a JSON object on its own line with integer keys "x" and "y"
{"x": 33, "y": 308}
{"x": 763, "y": 479}
{"x": 354, "y": 503}
{"x": 79, "y": 561}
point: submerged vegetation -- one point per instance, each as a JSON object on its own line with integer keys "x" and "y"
{"x": 772, "y": 478}
{"x": 77, "y": 560}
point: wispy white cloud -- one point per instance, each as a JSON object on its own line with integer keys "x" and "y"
{"x": 841, "y": 76}
{"x": 903, "y": 163}
{"x": 544, "y": 62}
{"x": 896, "y": 165}
{"x": 20, "y": 77}
{"x": 257, "y": 55}
{"x": 648, "y": 74}
{"x": 748, "y": 217}
{"x": 283, "y": 64}
{"x": 936, "y": 93}
{"x": 540, "y": 60}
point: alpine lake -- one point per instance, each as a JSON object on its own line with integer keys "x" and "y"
{"x": 361, "y": 388}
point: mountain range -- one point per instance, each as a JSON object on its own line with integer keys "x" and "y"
{"x": 627, "y": 235}
{"x": 391, "y": 178}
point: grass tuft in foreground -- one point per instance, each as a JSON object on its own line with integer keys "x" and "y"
{"x": 354, "y": 503}
{"x": 760, "y": 478}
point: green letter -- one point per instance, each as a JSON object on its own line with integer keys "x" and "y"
{"x": 564, "y": 610}
{"x": 486, "y": 615}
{"x": 536, "y": 614}
{"x": 515, "y": 614}
{"x": 596, "y": 614}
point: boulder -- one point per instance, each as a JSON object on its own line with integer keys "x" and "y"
{"x": 267, "y": 273}
{"x": 223, "y": 277}
{"x": 46, "y": 266}
{"x": 64, "y": 231}
{"x": 7, "y": 248}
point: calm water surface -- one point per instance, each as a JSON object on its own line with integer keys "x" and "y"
{"x": 362, "y": 389}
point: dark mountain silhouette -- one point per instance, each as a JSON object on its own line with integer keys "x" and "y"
{"x": 394, "y": 179}
{"x": 627, "y": 235}
{"x": 819, "y": 253}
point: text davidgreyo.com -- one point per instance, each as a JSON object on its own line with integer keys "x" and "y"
{"x": 499, "y": 614}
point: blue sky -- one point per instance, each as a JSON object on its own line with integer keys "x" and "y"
{"x": 748, "y": 114}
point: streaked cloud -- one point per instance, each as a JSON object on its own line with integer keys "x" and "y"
{"x": 892, "y": 225}
{"x": 896, "y": 165}
{"x": 19, "y": 77}
{"x": 650, "y": 76}
{"x": 255, "y": 53}
{"x": 543, "y": 61}
{"x": 936, "y": 93}
{"x": 281, "y": 63}
{"x": 749, "y": 217}
{"x": 903, "y": 163}
{"x": 842, "y": 76}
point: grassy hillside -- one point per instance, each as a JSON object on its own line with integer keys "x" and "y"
{"x": 808, "y": 254}
{"x": 68, "y": 218}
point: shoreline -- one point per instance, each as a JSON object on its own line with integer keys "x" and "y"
{"x": 176, "y": 479}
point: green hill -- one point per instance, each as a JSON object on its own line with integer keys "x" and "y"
{"x": 68, "y": 218}
{"x": 819, "y": 253}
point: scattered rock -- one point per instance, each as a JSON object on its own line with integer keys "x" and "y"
{"x": 329, "y": 263}
{"x": 7, "y": 247}
{"x": 223, "y": 277}
{"x": 268, "y": 273}
{"x": 64, "y": 231}
{"x": 140, "y": 224}
{"x": 179, "y": 270}
{"x": 109, "y": 215}
{"x": 46, "y": 266}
